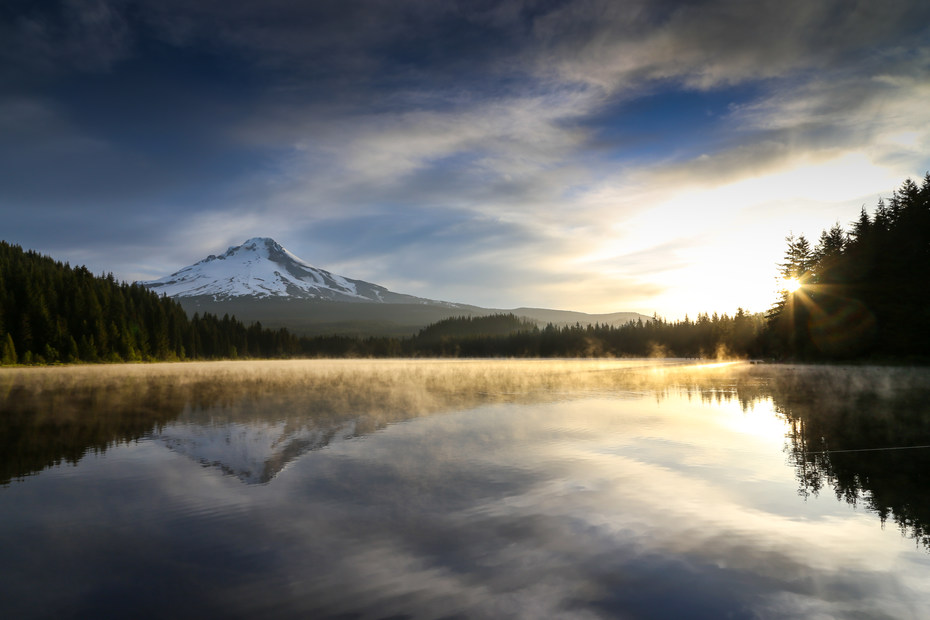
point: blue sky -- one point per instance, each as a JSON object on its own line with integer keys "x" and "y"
{"x": 595, "y": 155}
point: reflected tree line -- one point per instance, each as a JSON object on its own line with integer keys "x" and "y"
{"x": 56, "y": 416}
{"x": 859, "y": 434}
{"x": 837, "y": 417}
{"x": 42, "y": 429}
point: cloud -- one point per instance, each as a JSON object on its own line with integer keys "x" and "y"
{"x": 704, "y": 45}
{"x": 86, "y": 35}
{"x": 560, "y": 140}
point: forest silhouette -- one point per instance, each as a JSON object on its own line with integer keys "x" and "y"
{"x": 863, "y": 292}
{"x": 859, "y": 294}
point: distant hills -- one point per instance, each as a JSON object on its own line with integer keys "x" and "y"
{"x": 53, "y": 313}
{"x": 858, "y": 295}
{"x": 262, "y": 281}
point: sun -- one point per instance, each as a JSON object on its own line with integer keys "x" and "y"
{"x": 791, "y": 284}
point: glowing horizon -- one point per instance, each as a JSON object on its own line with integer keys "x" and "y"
{"x": 588, "y": 156}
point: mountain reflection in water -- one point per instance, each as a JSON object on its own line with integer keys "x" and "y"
{"x": 587, "y": 488}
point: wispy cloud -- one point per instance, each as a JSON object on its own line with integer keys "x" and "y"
{"x": 586, "y": 153}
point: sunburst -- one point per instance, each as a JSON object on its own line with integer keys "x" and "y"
{"x": 791, "y": 284}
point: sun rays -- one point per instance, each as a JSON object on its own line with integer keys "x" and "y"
{"x": 791, "y": 285}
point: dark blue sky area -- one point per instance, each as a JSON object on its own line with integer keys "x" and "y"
{"x": 516, "y": 146}
{"x": 672, "y": 122}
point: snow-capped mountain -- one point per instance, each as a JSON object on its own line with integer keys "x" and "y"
{"x": 254, "y": 451}
{"x": 262, "y": 268}
{"x": 261, "y": 281}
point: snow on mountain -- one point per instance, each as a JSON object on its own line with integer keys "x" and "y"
{"x": 255, "y": 451}
{"x": 262, "y": 268}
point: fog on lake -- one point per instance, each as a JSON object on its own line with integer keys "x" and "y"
{"x": 464, "y": 489}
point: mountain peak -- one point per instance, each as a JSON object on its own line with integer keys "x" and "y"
{"x": 266, "y": 245}
{"x": 258, "y": 242}
{"x": 262, "y": 268}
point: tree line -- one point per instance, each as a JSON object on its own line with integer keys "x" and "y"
{"x": 857, "y": 294}
{"x": 507, "y": 335}
{"x": 51, "y": 312}
{"x": 863, "y": 293}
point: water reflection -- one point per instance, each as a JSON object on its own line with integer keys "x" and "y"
{"x": 864, "y": 432}
{"x": 531, "y": 490}
{"x": 251, "y": 420}
{"x": 269, "y": 412}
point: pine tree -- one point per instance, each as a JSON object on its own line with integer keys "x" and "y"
{"x": 798, "y": 260}
{"x": 7, "y": 351}
{"x": 861, "y": 227}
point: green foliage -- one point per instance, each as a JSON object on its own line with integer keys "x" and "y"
{"x": 468, "y": 336}
{"x": 471, "y": 326}
{"x": 7, "y": 351}
{"x": 511, "y": 336}
{"x": 864, "y": 293}
{"x": 55, "y": 313}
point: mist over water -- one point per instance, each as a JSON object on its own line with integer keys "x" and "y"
{"x": 424, "y": 489}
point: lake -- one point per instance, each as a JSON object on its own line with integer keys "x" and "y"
{"x": 464, "y": 489}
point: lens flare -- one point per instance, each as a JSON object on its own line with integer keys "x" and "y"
{"x": 791, "y": 284}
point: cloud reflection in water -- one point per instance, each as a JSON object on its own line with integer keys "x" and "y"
{"x": 577, "y": 490}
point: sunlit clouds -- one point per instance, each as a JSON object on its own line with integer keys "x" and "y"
{"x": 596, "y": 156}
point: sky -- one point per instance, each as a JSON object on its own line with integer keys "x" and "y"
{"x": 591, "y": 155}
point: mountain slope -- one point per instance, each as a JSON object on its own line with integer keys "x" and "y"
{"x": 261, "y": 268}
{"x": 261, "y": 281}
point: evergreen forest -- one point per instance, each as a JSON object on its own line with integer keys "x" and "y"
{"x": 857, "y": 294}
{"x": 861, "y": 293}
{"x": 51, "y": 312}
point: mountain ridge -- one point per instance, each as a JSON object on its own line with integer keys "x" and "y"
{"x": 262, "y": 281}
{"x": 261, "y": 268}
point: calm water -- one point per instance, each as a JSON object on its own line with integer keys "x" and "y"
{"x": 464, "y": 489}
